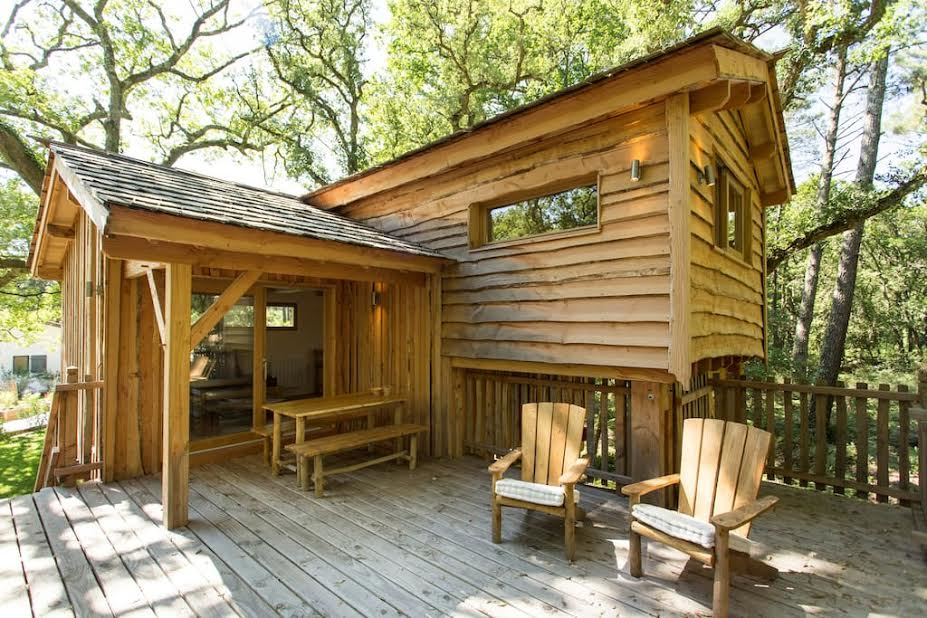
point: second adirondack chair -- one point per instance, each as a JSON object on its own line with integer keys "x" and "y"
{"x": 551, "y": 435}
{"x": 721, "y": 468}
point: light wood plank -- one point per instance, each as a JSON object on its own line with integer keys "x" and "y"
{"x": 47, "y": 594}
{"x": 176, "y": 432}
{"x": 76, "y": 573}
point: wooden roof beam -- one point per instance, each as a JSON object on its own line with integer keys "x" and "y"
{"x": 211, "y": 236}
{"x": 143, "y": 249}
{"x": 135, "y": 269}
{"x": 221, "y": 306}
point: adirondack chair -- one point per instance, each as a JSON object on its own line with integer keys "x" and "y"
{"x": 551, "y": 435}
{"x": 721, "y": 469}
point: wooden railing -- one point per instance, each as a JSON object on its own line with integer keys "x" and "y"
{"x": 860, "y": 439}
{"x": 71, "y": 444}
{"x": 493, "y": 400}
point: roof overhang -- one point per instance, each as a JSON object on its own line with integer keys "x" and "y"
{"x": 693, "y": 66}
{"x": 147, "y": 236}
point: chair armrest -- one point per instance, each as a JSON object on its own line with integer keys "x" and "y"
{"x": 740, "y": 516}
{"x": 645, "y": 487}
{"x": 575, "y": 472}
{"x": 500, "y": 466}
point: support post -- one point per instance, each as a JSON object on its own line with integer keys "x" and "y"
{"x": 175, "y": 467}
{"x": 258, "y": 357}
{"x": 648, "y": 432}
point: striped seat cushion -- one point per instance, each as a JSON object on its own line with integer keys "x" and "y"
{"x": 675, "y": 524}
{"x": 536, "y": 493}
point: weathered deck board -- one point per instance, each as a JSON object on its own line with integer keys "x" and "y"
{"x": 388, "y": 541}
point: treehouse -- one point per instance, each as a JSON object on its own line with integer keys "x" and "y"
{"x": 603, "y": 246}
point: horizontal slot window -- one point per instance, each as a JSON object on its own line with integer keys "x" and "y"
{"x": 557, "y": 212}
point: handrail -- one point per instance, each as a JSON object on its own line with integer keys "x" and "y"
{"x": 69, "y": 450}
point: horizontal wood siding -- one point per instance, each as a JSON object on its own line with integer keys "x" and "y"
{"x": 584, "y": 298}
{"x": 727, "y": 313}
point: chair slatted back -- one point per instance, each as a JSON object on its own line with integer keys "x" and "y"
{"x": 551, "y": 436}
{"x": 721, "y": 468}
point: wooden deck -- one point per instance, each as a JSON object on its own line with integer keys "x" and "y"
{"x": 385, "y": 541}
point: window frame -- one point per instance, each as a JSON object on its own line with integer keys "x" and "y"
{"x": 727, "y": 179}
{"x": 295, "y": 307}
{"x": 479, "y": 222}
{"x": 32, "y": 358}
{"x": 13, "y": 366}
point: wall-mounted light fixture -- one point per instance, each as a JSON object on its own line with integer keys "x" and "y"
{"x": 635, "y": 170}
{"x": 375, "y": 298}
{"x": 706, "y": 175}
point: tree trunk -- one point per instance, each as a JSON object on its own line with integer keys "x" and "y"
{"x": 19, "y": 157}
{"x": 845, "y": 286}
{"x": 813, "y": 268}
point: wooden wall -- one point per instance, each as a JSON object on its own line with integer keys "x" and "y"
{"x": 726, "y": 294}
{"x": 594, "y": 298}
{"x": 389, "y": 344}
{"x": 82, "y": 319}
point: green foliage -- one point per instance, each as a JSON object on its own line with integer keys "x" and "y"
{"x": 26, "y": 304}
{"x": 19, "y": 460}
{"x": 453, "y": 64}
{"x": 316, "y": 50}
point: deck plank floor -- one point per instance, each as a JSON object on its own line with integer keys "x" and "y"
{"x": 385, "y": 541}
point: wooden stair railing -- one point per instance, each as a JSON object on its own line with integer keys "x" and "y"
{"x": 70, "y": 450}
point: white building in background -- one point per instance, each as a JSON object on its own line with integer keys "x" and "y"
{"x": 42, "y": 355}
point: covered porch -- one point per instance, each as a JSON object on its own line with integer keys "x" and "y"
{"x": 387, "y": 541}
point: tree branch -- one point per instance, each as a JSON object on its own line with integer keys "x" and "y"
{"x": 848, "y": 219}
{"x": 19, "y": 156}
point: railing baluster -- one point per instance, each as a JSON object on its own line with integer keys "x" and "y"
{"x": 820, "y": 439}
{"x": 862, "y": 441}
{"x": 882, "y": 443}
{"x": 803, "y": 437}
{"x": 787, "y": 433}
{"x": 904, "y": 463}
{"x": 771, "y": 428}
{"x": 840, "y": 456}
{"x": 603, "y": 430}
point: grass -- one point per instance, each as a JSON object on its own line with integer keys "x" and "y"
{"x": 19, "y": 458}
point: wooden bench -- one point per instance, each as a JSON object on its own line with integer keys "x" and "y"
{"x": 288, "y": 432}
{"x": 317, "y": 448}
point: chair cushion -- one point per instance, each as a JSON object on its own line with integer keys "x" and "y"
{"x": 675, "y": 524}
{"x": 536, "y": 493}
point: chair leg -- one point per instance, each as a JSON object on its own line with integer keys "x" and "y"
{"x": 634, "y": 555}
{"x": 319, "y": 477}
{"x": 496, "y": 521}
{"x": 413, "y": 450}
{"x": 569, "y": 536}
{"x": 266, "y": 451}
{"x": 722, "y": 588}
{"x": 303, "y": 466}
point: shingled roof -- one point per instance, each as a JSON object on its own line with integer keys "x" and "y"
{"x": 117, "y": 180}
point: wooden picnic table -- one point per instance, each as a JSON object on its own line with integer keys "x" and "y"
{"x": 323, "y": 410}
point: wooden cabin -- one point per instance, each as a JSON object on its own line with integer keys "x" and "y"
{"x": 604, "y": 244}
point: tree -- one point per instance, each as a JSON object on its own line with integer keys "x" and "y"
{"x": 123, "y": 74}
{"x": 26, "y": 305}
{"x": 453, "y": 64}
{"x": 317, "y": 51}
{"x": 825, "y": 177}
{"x": 845, "y": 285}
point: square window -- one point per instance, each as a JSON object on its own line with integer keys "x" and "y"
{"x": 20, "y": 364}
{"x": 38, "y": 363}
{"x": 281, "y": 316}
